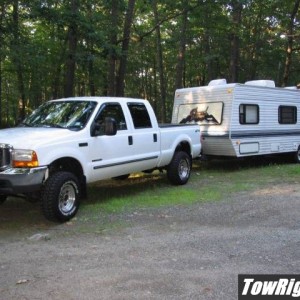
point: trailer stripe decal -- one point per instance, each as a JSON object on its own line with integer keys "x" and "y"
{"x": 272, "y": 133}
{"x": 253, "y": 134}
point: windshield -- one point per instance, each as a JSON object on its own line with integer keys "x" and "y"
{"x": 72, "y": 115}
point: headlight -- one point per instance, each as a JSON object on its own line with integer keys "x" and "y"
{"x": 24, "y": 158}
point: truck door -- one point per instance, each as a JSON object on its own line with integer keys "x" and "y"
{"x": 110, "y": 155}
{"x": 145, "y": 138}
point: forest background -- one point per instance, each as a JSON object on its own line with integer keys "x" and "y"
{"x": 140, "y": 48}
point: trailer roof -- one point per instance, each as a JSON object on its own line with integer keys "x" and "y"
{"x": 222, "y": 83}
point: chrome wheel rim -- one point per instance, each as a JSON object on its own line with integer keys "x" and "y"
{"x": 184, "y": 169}
{"x": 67, "y": 197}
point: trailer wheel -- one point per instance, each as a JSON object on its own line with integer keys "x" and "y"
{"x": 2, "y": 199}
{"x": 61, "y": 197}
{"x": 297, "y": 156}
{"x": 179, "y": 170}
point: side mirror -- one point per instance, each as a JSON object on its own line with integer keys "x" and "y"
{"x": 110, "y": 126}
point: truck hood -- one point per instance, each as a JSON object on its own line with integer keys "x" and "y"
{"x": 32, "y": 138}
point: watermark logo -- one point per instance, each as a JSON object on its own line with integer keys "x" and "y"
{"x": 263, "y": 287}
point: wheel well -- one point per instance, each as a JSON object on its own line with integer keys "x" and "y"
{"x": 72, "y": 165}
{"x": 184, "y": 146}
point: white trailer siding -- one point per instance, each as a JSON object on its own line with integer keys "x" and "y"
{"x": 229, "y": 136}
{"x": 268, "y": 134}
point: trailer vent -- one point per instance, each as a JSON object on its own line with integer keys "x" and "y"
{"x": 290, "y": 88}
{"x": 265, "y": 83}
{"x": 217, "y": 82}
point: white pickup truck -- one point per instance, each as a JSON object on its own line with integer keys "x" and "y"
{"x": 67, "y": 143}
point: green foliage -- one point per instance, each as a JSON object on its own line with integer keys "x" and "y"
{"x": 35, "y": 49}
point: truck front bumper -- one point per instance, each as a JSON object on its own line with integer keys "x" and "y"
{"x": 15, "y": 181}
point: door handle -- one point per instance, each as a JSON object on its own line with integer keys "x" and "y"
{"x": 155, "y": 137}
{"x": 130, "y": 140}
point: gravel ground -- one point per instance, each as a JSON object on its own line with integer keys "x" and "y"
{"x": 182, "y": 252}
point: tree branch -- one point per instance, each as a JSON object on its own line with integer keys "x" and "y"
{"x": 140, "y": 37}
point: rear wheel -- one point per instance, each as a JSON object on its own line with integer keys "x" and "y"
{"x": 61, "y": 197}
{"x": 179, "y": 170}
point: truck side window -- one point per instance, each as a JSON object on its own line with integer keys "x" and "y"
{"x": 112, "y": 110}
{"x": 140, "y": 116}
{"x": 249, "y": 114}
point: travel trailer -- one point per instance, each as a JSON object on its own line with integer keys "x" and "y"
{"x": 238, "y": 120}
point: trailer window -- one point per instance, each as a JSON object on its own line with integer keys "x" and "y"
{"x": 287, "y": 114}
{"x": 249, "y": 114}
{"x": 140, "y": 116}
{"x": 210, "y": 113}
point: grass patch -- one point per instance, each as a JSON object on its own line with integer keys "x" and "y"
{"x": 210, "y": 181}
{"x": 154, "y": 197}
{"x": 160, "y": 197}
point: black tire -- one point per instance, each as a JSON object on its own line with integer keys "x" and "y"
{"x": 2, "y": 199}
{"x": 297, "y": 156}
{"x": 179, "y": 170}
{"x": 61, "y": 197}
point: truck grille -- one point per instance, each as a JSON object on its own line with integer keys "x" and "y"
{"x": 5, "y": 156}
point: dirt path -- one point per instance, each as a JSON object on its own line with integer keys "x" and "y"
{"x": 193, "y": 252}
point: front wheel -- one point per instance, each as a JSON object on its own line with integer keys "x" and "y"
{"x": 179, "y": 170}
{"x": 61, "y": 197}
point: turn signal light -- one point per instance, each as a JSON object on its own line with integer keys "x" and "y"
{"x": 24, "y": 159}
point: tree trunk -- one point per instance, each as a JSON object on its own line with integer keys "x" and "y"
{"x": 290, "y": 41}
{"x": 112, "y": 56}
{"x": 162, "y": 102}
{"x": 235, "y": 40}
{"x": 71, "y": 54}
{"x": 155, "y": 87}
{"x": 179, "y": 80}
{"x": 91, "y": 72}
{"x": 1, "y": 50}
{"x": 56, "y": 82}
{"x": 255, "y": 45}
{"x": 18, "y": 59}
{"x": 90, "y": 57}
{"x": 125, "y": 46}
{"x": 209, "y": 61}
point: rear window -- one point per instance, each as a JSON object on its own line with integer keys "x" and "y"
{"x": 210, "y": 113}
{"x": 140, "y": 116}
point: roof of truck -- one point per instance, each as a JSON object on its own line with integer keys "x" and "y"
{"x": 99, "y": 99}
